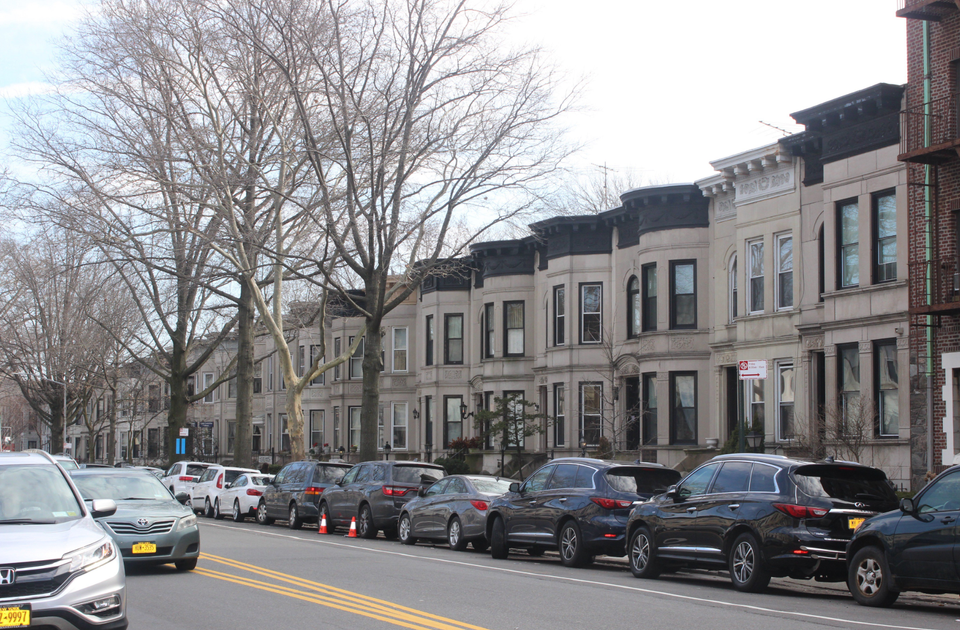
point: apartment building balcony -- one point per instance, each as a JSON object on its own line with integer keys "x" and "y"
{"x": 944, "y": 286}
{"x": 932, "y": 10}
{"x": 929, "y": 132}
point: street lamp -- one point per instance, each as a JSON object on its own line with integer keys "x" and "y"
{"x": 386, "y": 451}
{"x": 754, "y": 439}
{"x": 583, "y": 447}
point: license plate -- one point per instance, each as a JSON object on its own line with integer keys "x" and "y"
{"x": 15, "y": 616}
{"x": 144, "y": 548}
{"x": 854, "y": 523}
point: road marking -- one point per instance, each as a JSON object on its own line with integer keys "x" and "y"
{"x": 332, "y": 597}
{"x": 639, "y": 589}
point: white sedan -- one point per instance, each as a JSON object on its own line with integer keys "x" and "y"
{"x": 205, "y": 495}
{"x": 242, "y": 496}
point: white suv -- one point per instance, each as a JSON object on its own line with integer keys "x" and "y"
{"x": 182, "y": 476}
{"x": 206, "y": 492}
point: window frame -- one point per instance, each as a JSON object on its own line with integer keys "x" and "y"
{"x": 353, "y": 427}
{"x": 447, "y": 317}
{"x": 355, "y": 362}
{"x": 446, "y": 418}
{"x": 428, "y": 336}
{"x": 648, "y": 384}
{"x": 314, "y": 432}
{"x": 208, "y": 379}
{"x": 314, "y": 350}
{"x": 404, "y": 350}
{"x": 779, "y": 278}
{"x": 674, "y": 265}
{"x": 878, "y": 397}
{"x": 878, "y": 267}
{"x": 559, "y": 414}
{"x": 841, "y": 245}
{"x": 732, "y": 287}
{"x": 846, "y": 395}
{"x": 337, "y": 349}
{"x": 782, "y": 405}
{"x": 674, "y": 420}
{"x": 395, "y": 425}
{"x": 634, "y": 323}
{"x": 583, "y": 385}
{"x": 489, "y": 331}
{"x": 559, "y": 315}
{"x": 598, "y": 314}
{"x": 507, "y": 305}
{"x": 753, "y": 280}
{"x": 648, "y": 307}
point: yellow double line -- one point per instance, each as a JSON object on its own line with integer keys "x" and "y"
{"x": 332, "y": 597}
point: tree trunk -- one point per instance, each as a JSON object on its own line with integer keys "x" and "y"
{"x": 294, "y": 409}
{"x": 112, "y": 430}
{"x": 370, "y": 406}
{"x": 243, "y": 440}
{"x": 177, "y": 414}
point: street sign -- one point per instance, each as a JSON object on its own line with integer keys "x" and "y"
{"x": 265, "y": 459}
{"x": 752, "y": 370}
{"x": 184, "y": 432}
{"x": 206, "y": 425}
{"x": 67, "y": 446}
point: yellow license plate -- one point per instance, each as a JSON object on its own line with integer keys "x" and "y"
{"x": 854, "y": 523}
{"x": 15, "y": 617}
{"x": 144, "y": 548}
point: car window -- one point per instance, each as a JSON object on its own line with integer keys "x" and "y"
{"x": 68, "y": 464}
{"x": 733, "y": 477}
{"x": 122, "y": 487}
{"x": 436, "y": 488}
{"x": 417, "y": 474}
{"x": 229, "y": 476}
{"x": 641, "y": 479}
{"x": 282, "y": 475}
{"x": 175, "y": 469}
{"x": 379, "y": 473}
{"x": 38, "y": 494}
{"x": 564, "y": 477}
{"x": 491, "y": 486}
{"x": 847, "y": 483}
{"x": 364, "y": 475}
{"x": 538, "y": 480}
{"x": 697, "y": 482}
{"x": 195, "y": 470}
{"x": 241, "y": 481}
{"x": 329, "y": 474}
{"x": 456, "y": 486}
{"x": 351, "y": 476}
{"x": 585, "y": 476}
{"x": 764, "y": 478}
{"x": 207, "y": 475}
{"x": 260, "y": 481}
{"x": 942, "y": 496}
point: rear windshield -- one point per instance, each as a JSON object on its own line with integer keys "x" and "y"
{"x": 36, "y": 494}
{"x": 195, "y": 470}
{"x": 638, "y": 480}
{"x": 491, "y": 486}
{"x": 846, "y": 483}
{"x": 330, "y": 474}
{"x": 416, "y": 474}
{"x": 260, "y": 481}
{"x": 140, "y": 487}
{"x": 230, "y": 476}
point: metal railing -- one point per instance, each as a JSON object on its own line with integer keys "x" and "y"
{"x": 941, "y": 121}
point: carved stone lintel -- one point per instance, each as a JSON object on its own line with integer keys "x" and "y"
{"x": 399, "y": 381}
{"x": 903, "y": 343}
{"x": 630, "y": 368}
{"x": 663, "y": 376}
{"x": 647, "y": 345}
{"x": 813, "y": 342}
{"x": 726, "y": 358}
{"x": 830, "y": 351}
{"x": 681, "y": 343}
{"x": 866, "y": 347}
{"x": 452, "y": 375}
{"x": 355, "y": 388}
{"x": 542, "y": 380}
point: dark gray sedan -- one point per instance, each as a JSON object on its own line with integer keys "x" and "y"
{"x": 453, "y": 509}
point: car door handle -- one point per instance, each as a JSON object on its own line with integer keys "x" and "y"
{"x": 734, "y": 506}
{"x": 948, "y": 519}
{"x": 563, "y": 500}
{"x": 691, "y": 510}
{"x": 533, "y": 503}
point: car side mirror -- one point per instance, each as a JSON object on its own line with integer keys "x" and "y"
{"x": 674, "y": 493}
{"x": 183, "y": 497}
{"x": 340, "y": 481}
{"x": 907, "y": 506}
{"x": 514, "y": 487}
{"x": 102, "y": 507}
{"x": 227, "y": 486}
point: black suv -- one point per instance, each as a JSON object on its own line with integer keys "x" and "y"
{"x": 759, "y": 516}
{"x": 295, "y": 491}
{"x": 577, "y": 505}
{"x": 374, "y": 493}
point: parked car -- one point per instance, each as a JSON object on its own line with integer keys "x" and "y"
{"x": 374, "y": 493}
{"x": 758, "y": 516}
{"x": 243, "y": 495}
{"x": 150, "y": 526}
{"x": 294, "y": 493}
{"x": 909, "y": 549}
{"x": 576, "y": 505}
{"x": 87, "y": 465}
{"x": 453, "y": 509}
{"x": 182, "y": 476}
{"x": 68, "y": 463}
{"x": 159, "y": 473}
{"x": 205, "y": 494}
{"x": 60, "y": 569}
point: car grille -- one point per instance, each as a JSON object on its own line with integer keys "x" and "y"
{"x": 35, "y": 579}
{"x": 155, "y": 528}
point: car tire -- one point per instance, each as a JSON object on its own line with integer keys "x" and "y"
{"x": 481, "y": 544}
{"x": 746, "y": 565}
{"x": 365, "y": 527}
{"x": 405, "y": 529}
{"x": 535, "y": 552}
{"x": 324, "y": 513}
{"x": 869, "y": 578}
{"x": 238, "y": 516}
{"x": 293, "y": 518}
{"x": 455, "y": 534}
{"x": 573, "y": 551}
{"x": 186, "y": 565}
{"x": 217, "y": 514}
{"x": 207, "y": 509}
{"x": 498, "y": 540}
{"x": 262, "y": 517}
{"x": 642, "y": 555}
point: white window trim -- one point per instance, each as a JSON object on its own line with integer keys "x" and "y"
{"x": 212, "y": 396}
{"x": 780, "y": 365}
{"x": 776, "y": 263}
{"x": 583, "y": 288}
{"x": 749, "y": 288}
{"x": 560, "y": 319}
{"x": 393, "y": 425}
{"x": 732, "y": 287}
{"x": 406, "y": 348}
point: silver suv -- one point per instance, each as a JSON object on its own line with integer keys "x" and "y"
{"x": 58, "y": 568}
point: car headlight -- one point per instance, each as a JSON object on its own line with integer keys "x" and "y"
{"x": 187, "y": 521}
{"x": 91, "y": 557}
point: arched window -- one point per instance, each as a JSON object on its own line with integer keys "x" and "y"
{"x": 633, "y": 307}
{"x": 733, "y": 287}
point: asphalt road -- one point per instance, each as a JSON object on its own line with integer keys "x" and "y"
{"x": 257, "y": 577}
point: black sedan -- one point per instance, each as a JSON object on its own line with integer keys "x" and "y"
{"x": 453, "y": 509}
{"x": 910, "y": 549}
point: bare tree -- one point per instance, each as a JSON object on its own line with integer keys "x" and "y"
{"x": 850, "y": 425}
{"x": 511, "y": 423}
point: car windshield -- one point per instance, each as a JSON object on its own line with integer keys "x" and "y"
{"x": 138, "y": 486}
{"x": 846, "y": 483}
{"x": 491, "y": 486}
{"x": 639, "y": 480}
{"x": 416, "y": 474}
{"x": 330, "y": 474}
{"x": 36, "y": 494}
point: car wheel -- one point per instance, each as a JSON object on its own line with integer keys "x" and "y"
{"x": 868, "y": 578}
{"x": 365, "y": 528}
{"x": 535, "y": 552}
{"x": 324, "y": 513}
{"x": 455, "y": 535}
{"x": 217, "y": 514}
{"x": 404, "y": 530}
{"x": 207, "y": 510}
{"x": 262, "y": 517}
{"x": 498, "y": 540}
{"x": 643, "y": 563}
{"x": 746, "y": 565}
{"x": 238, "y": 516}
{"x": 186, "y": 565}
{"x": 480, "y": 544}
{"x": 293, "y": 519}
{"x": 573, "y": 552}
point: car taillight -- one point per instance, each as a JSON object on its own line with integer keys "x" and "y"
{"x": 801, "y": 511}
{"x": 483, "y": 506}
{"x": 186, "y": 478}
{"x": 395, "y": 491}
{"x": 313, "y": 490}
{"x": 610, "y": 504}
{"x": 253, "y": 493}
{"x": 220, "y": 481}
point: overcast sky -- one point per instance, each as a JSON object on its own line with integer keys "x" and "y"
{"x": 669, "y": 85}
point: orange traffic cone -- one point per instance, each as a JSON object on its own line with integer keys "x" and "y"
{"x": 353, "y": 528}
{"x": 323, "y": 525}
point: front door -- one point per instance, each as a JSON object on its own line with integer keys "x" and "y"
{"x": 521, "y": 520}
{"x": 679, "y": 537}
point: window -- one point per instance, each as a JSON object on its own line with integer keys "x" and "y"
{"x": 755, "y": 269}
{"x": 559, "y": 316}
{"x": 516, "y": 411}
{"x": 590, "y": 313}
{"x": 885, "y": 237}
{"x": 649, "y": 430}
{"x": 848, "y": 243}
{"x": 683, "y": 410}
{"x": 559, "y": 414}
{"x": 231, "y": 436}
{"x": 888, "y": 387}
{"x": 513, "y": 329}
{"x": 453, "y": 338}
{"x": 269, "y": 369}
{"x": 207, "y": 382}
{"x": 302, "y": 360}
{"x": 591, "y": 397}
{"x": 257, "y": 377}
{"x": 314, "y": 353}
{"x": 683, "y": 294}
{"x": 633, "y": 307}
{"x": 232, "y": 388}
{"x": 380, "y": 440}
{"x": 336, "y": 352}
{"x": 697, "y": 482}
{"x": 755, "y": 404}
{"x": 428, "y": 329}
{"x": 316, "y": 429}
{"x": 336, "y": 428}
{"x": 356, "y": 359}
{"x": 284, "y": 434}
{"x": 452, "y": 420}
{"x": 649, "y": 273}
{"x": 353, "y": 430}
{"x": 489, "y": 338}
{"x": 849, "y": 372}
{"x": 733, "y": 287}
{"x": 399, "y": 349}
{"x": 399, "y": 422}
{"x": 821, "y": 260}
{"x": 785, "y": 397}
{"x": 784, "y": 271}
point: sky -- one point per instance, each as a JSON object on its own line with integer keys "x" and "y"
{"x": 666, "y": 86}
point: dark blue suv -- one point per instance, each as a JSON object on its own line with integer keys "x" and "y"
{"x": 578, "y": 506}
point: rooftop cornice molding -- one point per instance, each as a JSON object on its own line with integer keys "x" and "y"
{"x": 742, "y": 166}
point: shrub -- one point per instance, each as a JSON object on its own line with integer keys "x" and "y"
{"x": 453, "y": 465}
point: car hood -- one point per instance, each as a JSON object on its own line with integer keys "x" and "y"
{"x": 34, "y": 543}
{"x": 155, "y": 509}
